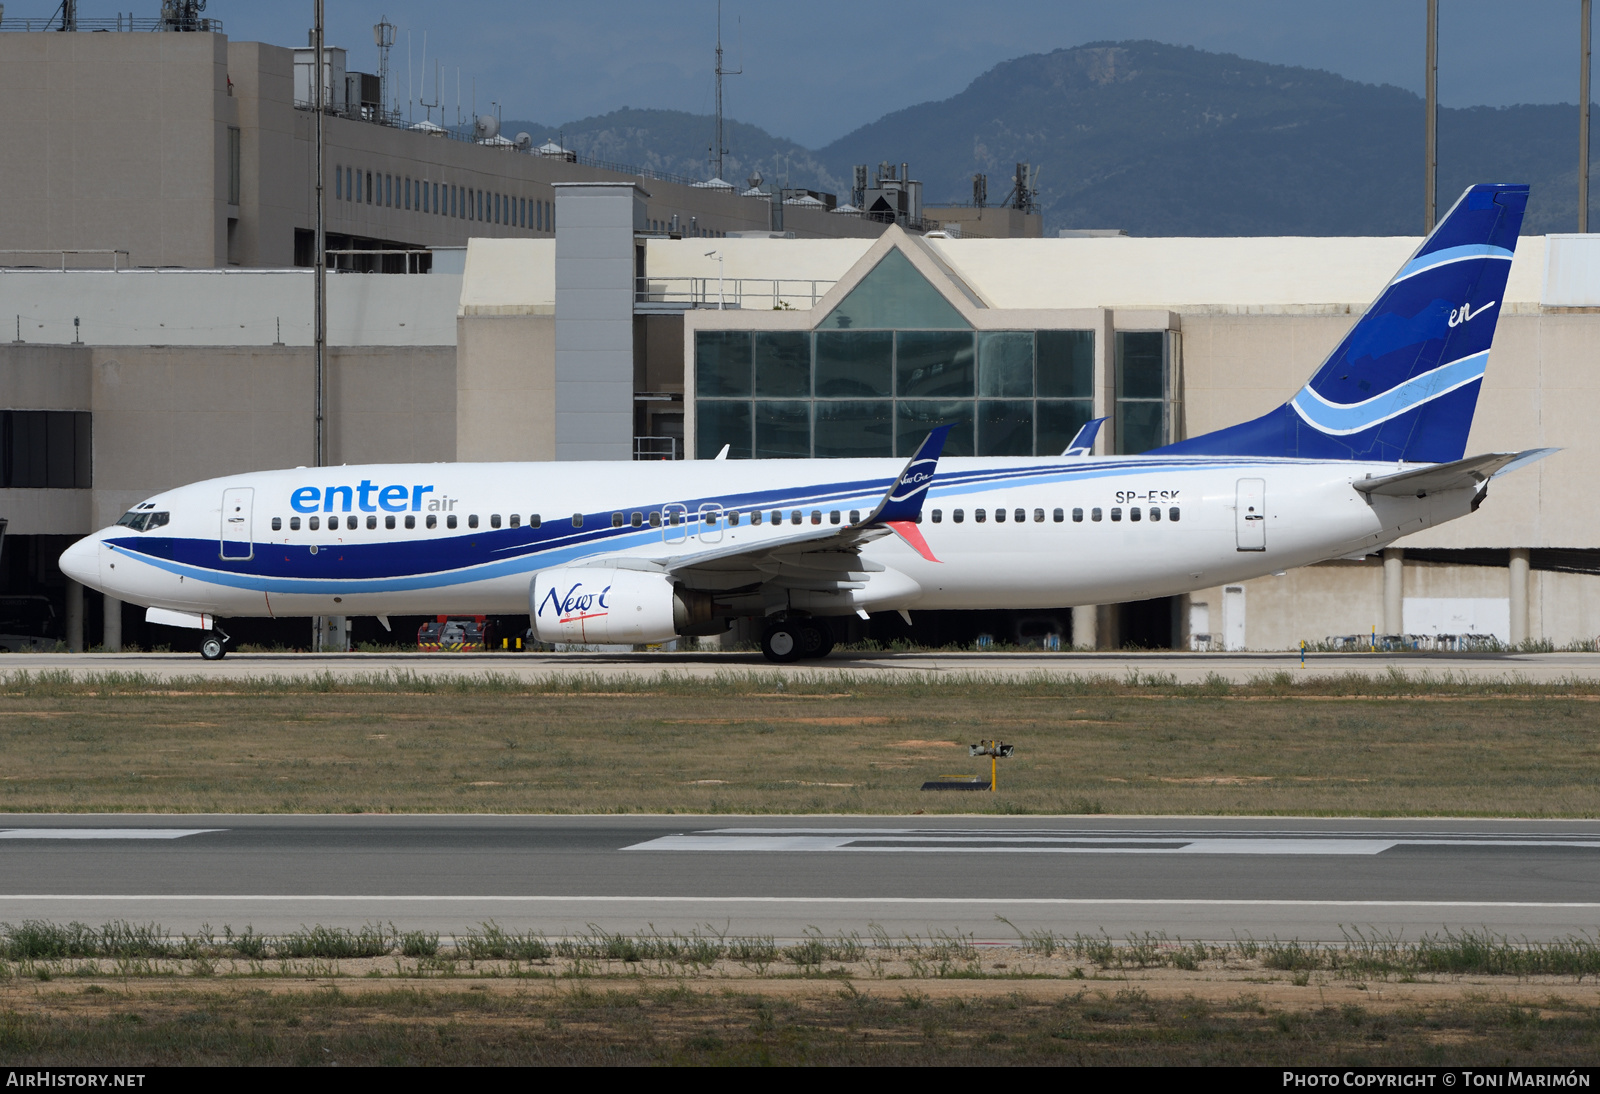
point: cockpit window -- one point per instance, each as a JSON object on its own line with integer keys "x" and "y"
{"x": 143, "y": 521}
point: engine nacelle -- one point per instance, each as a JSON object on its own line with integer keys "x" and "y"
{"x": 593, "y": 604}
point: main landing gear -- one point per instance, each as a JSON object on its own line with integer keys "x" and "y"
{"x": 214, "y": 644}
{"x": 796, "y": 638}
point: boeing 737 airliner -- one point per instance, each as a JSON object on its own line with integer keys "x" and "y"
{"x": 1371, "y": 449}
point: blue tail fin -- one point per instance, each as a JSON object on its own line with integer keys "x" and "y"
{"x": 1404, "y": 382}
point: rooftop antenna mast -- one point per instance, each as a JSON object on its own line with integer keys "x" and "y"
{"x": 319, "y": 260}
{"x": 437, "y": 68}
{"x": 720, "y": 149}
{"x": 383, "y": 37}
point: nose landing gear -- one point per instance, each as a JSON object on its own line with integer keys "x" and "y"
{"x": 214, "y": 644}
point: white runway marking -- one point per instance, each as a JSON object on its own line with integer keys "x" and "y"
{"x": 908, "y": 841}
{"x": 103, "y": 833}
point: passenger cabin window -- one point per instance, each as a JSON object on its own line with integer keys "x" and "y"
{"x": 777, "y": 516}
{"x": 999, "y": 516}
{"x": 333, "y": 524}
{"x": 958, "y": 515}
{"x": 472, "y": 521}
{"x": 637, "y": 520}
{"x": 494, "y": 520}
{"x": 1116, "y": 513}
{"x": 1094, "y": 514}
{"x": 433, "y": 520}
{"x": 450, "y": 521}
{"x": 794, "y": 517}
{"x": 1077, "y": 516}
{"x": 577, "y": 520}
{"x": 277, "y": 524}
{"x": 515, "y": 520}
{"x": 1155, "y": 512}
{"x": 616, "y": 520}
{"x": 1038, "y": 516}
{"x": 388, "y": 522}
{"x": 979, "y": 515}
{"x": 755, "y": 517}
{"x": 733, "y": 518}
{"x": 816, "y": 516}
{"x": 1133, "y": 513}
{"x": 312, "y": 523}
{"x": 372, "y": 523}
{"x": 938, "y": 516}
{"x": 294, "y": 524}
{"x": 855, "y": 516}
{"x": 655, "y": 519}
{"x": 411, "y": 521}
{"x": 1060, "y": 515}
{"x": 1172, "y": 514}
{"x": 533, "y": 520}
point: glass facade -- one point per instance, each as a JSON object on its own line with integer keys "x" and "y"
{"x": 1146, "y": 390}
{"x": 46, "y": 449}
{"x": 895, "y": 359}
{"x": 837, "y": 393}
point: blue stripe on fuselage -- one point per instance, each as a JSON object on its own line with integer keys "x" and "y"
{"x": 400, "y": 566}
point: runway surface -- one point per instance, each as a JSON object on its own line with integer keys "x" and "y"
{"x": 886, "y": 667}
{"x": 1206, "y": 879}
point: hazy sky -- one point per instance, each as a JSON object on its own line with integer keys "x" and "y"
{"x": 815, "y": 71}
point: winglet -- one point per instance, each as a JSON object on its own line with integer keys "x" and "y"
{"x": 903, "y": 502}
{"x": 1083, "y": 441}
{"x": 909, "y": 532}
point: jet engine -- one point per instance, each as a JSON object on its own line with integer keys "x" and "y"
{"x": 594, "y": 604}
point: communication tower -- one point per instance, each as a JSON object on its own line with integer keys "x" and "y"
{"x": 383, "y": 36}
{"x": 719, "y": 148}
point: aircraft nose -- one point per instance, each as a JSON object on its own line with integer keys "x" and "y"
{"x": 81, "y": 561}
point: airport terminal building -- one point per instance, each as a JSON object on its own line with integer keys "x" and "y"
{"x": 532, "y": 307}
{"x": 611, "y": 342}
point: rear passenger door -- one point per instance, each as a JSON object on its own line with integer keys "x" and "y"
{"x": 1250, "y": 515}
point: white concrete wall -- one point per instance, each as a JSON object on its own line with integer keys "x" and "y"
{"x": 225, "y": 308}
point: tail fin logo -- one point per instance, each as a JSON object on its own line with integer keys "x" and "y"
{"x": 1466, "y": 313}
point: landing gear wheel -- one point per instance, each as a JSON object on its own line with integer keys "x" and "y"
{"x": 816, "y": 639}
{"x": 825, "y": 646}
{"x": 783, "y": 642}
{"x": 213, "y": 647}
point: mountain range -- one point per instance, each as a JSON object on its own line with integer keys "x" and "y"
{"x": 1153, "y": 139}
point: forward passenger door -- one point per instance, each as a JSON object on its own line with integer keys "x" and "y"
{"x": 237, "y": 504}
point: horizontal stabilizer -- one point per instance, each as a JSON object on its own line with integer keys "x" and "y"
{"x": 1467, "y": 474}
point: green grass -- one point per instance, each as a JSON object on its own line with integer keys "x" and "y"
{"x": 758, "y": 743}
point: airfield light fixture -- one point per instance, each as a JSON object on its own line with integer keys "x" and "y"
{"x": 996, "y": 751}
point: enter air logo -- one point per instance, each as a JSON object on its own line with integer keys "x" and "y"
{"x": 1466, "y": 314}
{"x": 575, "y": 605}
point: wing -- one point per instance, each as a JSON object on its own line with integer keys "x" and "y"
{"x": 823, "y": 560}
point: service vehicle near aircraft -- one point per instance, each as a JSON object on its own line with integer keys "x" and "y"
{"x": 1371, "y": 449}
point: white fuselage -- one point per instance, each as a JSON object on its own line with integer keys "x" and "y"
{"x": 245, "y": 545}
